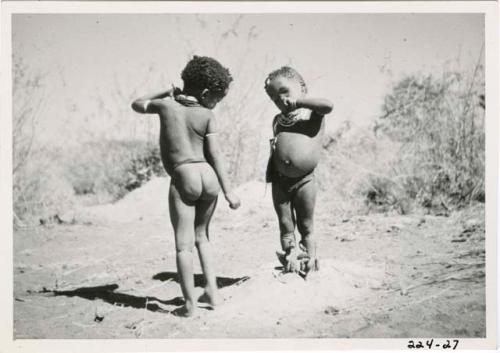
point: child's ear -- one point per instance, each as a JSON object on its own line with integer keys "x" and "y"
{"x": 204, "y": 93}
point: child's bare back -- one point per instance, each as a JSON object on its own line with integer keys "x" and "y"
{"x": 182, "y": 139}
{"x": 191, "y": 156}
{"x": 182, "y": 133}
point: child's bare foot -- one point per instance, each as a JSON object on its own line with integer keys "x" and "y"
{"x": 187, "y": 310}
{"x": 310, "y": 266}
{"x": 291, "y": 263}
{"x": 213, "y": 299}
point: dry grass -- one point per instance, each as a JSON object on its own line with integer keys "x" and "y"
{"x": 110, "y": 169}
{"x": 55, "y": 181}
{"x": 426, "y": 149}
{"x": 438, "y": 124}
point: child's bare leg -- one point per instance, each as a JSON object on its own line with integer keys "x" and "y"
{"x": 283, "y": 208}
{"x": 204, "y": 212}
{"x": 304, "y": 202}
{"x": 182, "y": 215}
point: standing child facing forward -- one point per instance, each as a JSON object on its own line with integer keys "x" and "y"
{"x": 190, "y": 154}
{"x": 295, "y": 151}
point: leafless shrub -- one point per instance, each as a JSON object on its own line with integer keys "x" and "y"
{"x": 439, "y": 126}
{"x": 106, "y": 170}
{"x": 35, "y": 187}
{"x": 241, "y": 115}
{"x": 426, "y": 149}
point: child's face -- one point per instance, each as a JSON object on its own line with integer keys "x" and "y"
{"x": 280, "y": 88}
{"x": 210, "y": 99}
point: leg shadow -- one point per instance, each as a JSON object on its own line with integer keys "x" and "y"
{"x": 199, "y": 280}
{"x": 107, "y": 293}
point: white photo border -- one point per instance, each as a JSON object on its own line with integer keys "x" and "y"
{"x": 8, "y": 8}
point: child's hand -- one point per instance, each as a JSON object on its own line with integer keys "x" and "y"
{"x": 290, "y": 103}
{"x": 174, "y": 91}
{"x": 233, "y": 200}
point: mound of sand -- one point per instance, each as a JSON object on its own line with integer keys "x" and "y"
{"x": 270, "y": 295}
{"x": 145, "y": 203}
{"x": 150, "y": 202}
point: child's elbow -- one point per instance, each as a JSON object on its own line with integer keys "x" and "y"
{"x": 328, "y": 107}
{"x": 136, "y": 106}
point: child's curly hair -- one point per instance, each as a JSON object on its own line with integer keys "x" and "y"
{"x": 288, "y": 72}
{"x": 203, "y": 72}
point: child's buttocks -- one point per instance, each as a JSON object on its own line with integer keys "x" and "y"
{"x": 196, "y": 180}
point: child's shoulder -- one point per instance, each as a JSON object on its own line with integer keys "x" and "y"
{"x": 195, "y": 114}
{"x": 167, "y": 102}
{"x": 161, "y": 104}
{"x": 172, "y": 104}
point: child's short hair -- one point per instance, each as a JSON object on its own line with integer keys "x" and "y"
{"x": 288, "y": 72}
{"x": 203, "y": 72}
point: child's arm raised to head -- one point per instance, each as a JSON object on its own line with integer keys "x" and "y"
{"x": 217, "y": 161}
{"x": 321, "y": 106}
{"x": 150, "y": 103}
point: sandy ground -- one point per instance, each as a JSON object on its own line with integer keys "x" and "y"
{"x": 109, "y": 272}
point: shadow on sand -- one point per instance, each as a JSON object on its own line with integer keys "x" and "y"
{"x": 199, "y": 279}
{"x": 108, "y": 293}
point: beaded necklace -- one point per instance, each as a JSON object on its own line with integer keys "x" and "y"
{"x": 187, "y": 101}
{"x": 290, "y": 118}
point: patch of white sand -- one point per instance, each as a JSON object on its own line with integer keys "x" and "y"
{"x": 270, "y": 295}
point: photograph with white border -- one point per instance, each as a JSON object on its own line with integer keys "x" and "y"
{"x": 322, "y": 175}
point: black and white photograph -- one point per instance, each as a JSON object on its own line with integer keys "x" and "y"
{"x": 267, "y": 172}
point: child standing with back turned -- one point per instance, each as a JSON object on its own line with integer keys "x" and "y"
{"x": 190, "y": 154}
{"x": 295, "y": 151}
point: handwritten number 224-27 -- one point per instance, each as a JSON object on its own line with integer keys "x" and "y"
{"x": 430, "y": 344}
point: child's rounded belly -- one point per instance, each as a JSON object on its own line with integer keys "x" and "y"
{"x": 296, "y": 154}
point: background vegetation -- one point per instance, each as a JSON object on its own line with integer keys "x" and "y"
{"x": 425, "y": 151}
